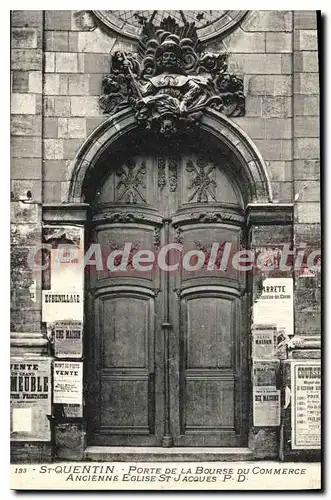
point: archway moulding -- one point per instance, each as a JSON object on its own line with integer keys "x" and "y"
{"x": 212, "y": 122}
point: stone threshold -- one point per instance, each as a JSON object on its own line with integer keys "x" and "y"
{"x": 155, "y": 454}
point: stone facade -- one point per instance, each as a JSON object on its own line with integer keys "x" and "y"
{"x": 58, "y": 61}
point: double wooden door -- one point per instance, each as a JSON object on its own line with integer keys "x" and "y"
{"x": 165, "y": 334}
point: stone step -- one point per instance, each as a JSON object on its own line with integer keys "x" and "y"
{"x": 155, "y": 454}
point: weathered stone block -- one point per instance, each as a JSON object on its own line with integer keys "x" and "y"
{"x": 29, "y": 168}
{"x": 61, "y": 106}
{"x": 270, "y": 235}
{"x": 255, "y": 64}
{"x": 307, "y": 322}
{"x": 50, "y": 127}
{"x": 306, "y": 169}
{"x": 35, "y": 82}
{"x": 275, "y": 149}
{"x": 244, "y": 42}
{"x": 25, "y": 147}
{"x": 58, "y": 20}
{"x": 306, "y": 148}
{"x": 307, "y": 126}
{"x": 25, "y": 235}
{"x": 280, "y": 170}
{"x": 264, "y": 20}
{"x": 307, "y": 105}
{"x": 305, "y": 40}
{"x": 307, "y": 190}
{"x": 79, "y": 85}
{"x": 254, "y": 127}
{"x": 23, "y": 213}
{"x": 279, "y": 42}
{"x": 82, "y": 20}
{"x": 51, "y": 192}
{"x": 282, "y": 191}
{"x": 26, "y": 59}
{"x": 97, "y": 63}
{"x": 306, "y": 83}
{"x": 25, "y": 125}
{"x": 72, "y": 128}
{"x": 26, "y": 18}
{"x": 73, "y": 42}
{"x": 23, "y": 104}
{"x": 25, "y": 320}
{"x": 277, "y": 107}
{"x": 93, "y": 123}
{"x": 310, "y": 62}
{"x": 53, "y": 149}
{"x": 20, "y": 81}
{"x": 54, "y": 170}
{"x": 278, "y": 128}
{"x": 49, "y": 62}
{"x": 95, "y": 41}
{"x": 20, "y": 188}
{"x": 21, "y": 452}
{"x": 95, "y": 84}
{"x": 24, "y": 38}
{"x": 66, "y": 62}
{"x": 70, "y": 441}
{"x": 254, "y": 84}
{"x": 287, "y": 64}
{"x": 48, "y": 106}
{"x": 51, "y": 84}
{"x": 56, "y": 41}
{"x": 85, "y": 106}
{"x": 71, "y": 147}
{"x": 308, "y": 213}
{"x": 310, "y": 234}
{"x": 279, "y": 85}
{"x": 305, "y": 19}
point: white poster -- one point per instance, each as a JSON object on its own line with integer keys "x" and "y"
{"x": 266, "y": 407}
{"x": 264, "y": 341}
{"x": 275, "y": 304}
{"x": 306, "y": 404}
{"x": 68, "y": 382}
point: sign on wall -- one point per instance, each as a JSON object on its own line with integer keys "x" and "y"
{"x": 63, "y": 299}
{"x": 306, "y": 404}
{"x": 30, "y": 399}
{"x": 264, "y": 341}
{"x": 68, "y": 382}
{"x": 266, "y": 407}
{"x": 68, "y": 341}
{"x": 274, "y": 306}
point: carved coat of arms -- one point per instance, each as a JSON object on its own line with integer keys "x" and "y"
{"x": 171, "y": 80}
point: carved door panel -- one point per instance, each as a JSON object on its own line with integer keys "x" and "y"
{"x": 166, "y": 351}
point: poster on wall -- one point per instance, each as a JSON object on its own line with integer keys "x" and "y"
{"x": 306, "y": 405}
{"x": 264, "y": 341}
{"x": 266, "y": 407}
{"x": 68, "y": 339}
{"x": 68, "y": 382}
{"x": 30, "y": 399}
{"x": 265, "y": 373}
{"x": 63, "y": 280}
{"x": 274, "y": 304}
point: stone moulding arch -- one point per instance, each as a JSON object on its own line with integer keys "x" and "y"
{"x": 213, "y": 122}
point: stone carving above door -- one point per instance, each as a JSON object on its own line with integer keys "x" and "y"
{"x": 202, "y": 185}
{"x": 131, "y": 184}
{"x": 172, "y": 80}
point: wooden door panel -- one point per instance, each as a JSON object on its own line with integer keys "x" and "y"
{"x": 125, "y": 404}
{"x": 209, "y": 333}
{"x": 210, "y": 361}
{"x": 209, "y": 404}
{"x": 125, "y": 342}
{"x": 126, "y": 373}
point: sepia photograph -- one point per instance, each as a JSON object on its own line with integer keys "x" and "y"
{"x": 165, "y": 250}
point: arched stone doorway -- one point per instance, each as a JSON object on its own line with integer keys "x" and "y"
{"x": 167, "y": 352}
{"x": 243, "y": 204}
